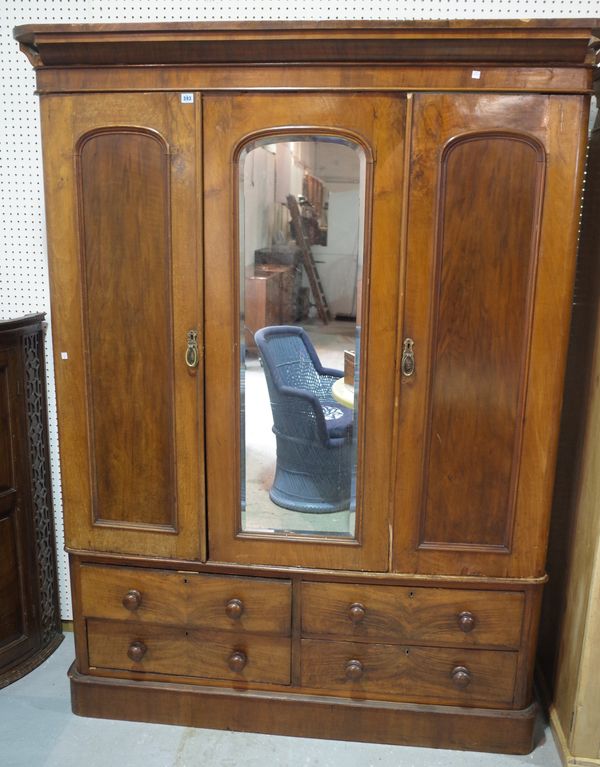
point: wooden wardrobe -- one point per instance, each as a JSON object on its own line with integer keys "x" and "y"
{"x": 418, "y": 624}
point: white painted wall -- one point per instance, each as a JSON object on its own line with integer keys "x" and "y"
{"x": 258, "y": 201}
{"x": 337, "y": 261}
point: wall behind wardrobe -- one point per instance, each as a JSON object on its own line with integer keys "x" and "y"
{"x": 23, "y": 271}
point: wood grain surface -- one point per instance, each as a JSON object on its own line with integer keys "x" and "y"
{"x": 490, "y": 202}
{"x": 190, "y": 599}
{"x": 126, "y": 260}
{"x": 123, "y": 222}
{"x": 451, "y": 517}
{"x": 316, "y": 77}
{"x": 314, "y": 716}
{"x": 419, "y": 674}
{"x": 536, "y": 41}
{"x": 402, "y": 614}
{"x": 188, "y": 652}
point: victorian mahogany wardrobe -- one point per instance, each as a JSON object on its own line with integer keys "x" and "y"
{"x": 246, "y": 552}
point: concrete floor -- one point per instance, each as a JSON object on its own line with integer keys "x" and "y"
{"x": 37, "y": 729}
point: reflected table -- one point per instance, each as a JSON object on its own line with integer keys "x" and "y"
{"x": 343, "y": 393}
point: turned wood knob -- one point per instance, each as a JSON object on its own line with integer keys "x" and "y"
{"x": 136, "y": 651}
{"x": 466, "y": 621}
{"x": 132, "y": 600}
{"x": 354, "y": 670}
{"x": 357, "y": 612}
{"x": 461, "y": 677}
{"x": 234, "y": 609}
{"x": 237, "y": 661}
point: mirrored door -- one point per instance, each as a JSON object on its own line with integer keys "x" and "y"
{"x": 301, "y": 282}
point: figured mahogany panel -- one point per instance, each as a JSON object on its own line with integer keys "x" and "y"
{"x": 413, "y": 615}
{"x": 163, "y": 597}
{"x": 127, "y": 314}
{"x": 463, "y": 677}
{"x": 512, "y": 204}
{"x": 124, "y": 239}
{"x": 183, "y": 651}
{"x": 367, "y": 77}
{"x": 490, "y": 193}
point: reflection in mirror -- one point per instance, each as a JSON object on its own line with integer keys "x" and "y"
{"x": 301, "y": 230}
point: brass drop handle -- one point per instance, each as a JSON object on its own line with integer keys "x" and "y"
{"x": 461, "y": 677}
{"x": 237, "y": 661}
{"x": 408, "y": 358}
{"x": 132, "y": 600}
{"x": 357, "y": 612}
{"x": 234, "y": 609}
{"x": 136, "y": 651}
{"x": 354, "y": 670}
{"x": 466, "y": 621}
{"x": 191, "y": 352}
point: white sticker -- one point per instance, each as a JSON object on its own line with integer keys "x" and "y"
{"x": 475, "y": 74}
{"x": 187, "y": 98}
{"x": 64, "y": 355}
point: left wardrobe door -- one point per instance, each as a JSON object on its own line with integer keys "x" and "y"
{"x": 122, "y": 205}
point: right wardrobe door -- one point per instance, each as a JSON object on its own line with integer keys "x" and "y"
{"x": 491, "y": 241}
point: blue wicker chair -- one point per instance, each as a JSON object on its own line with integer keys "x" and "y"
{"x": 313, "y": 431}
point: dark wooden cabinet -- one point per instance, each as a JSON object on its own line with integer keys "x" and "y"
{"x": 30, "y": 627}
{"x": 270, "y": 299}
{"x": 415, "y": 619}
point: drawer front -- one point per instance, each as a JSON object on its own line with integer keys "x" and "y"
{"x": 419, "y": 674}
{"x": 215, "y": 602}
{"x": 174, "y": 651}
{"x": 402, "y": 614}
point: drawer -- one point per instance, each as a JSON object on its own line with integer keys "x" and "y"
{"x": 418, "y": 674}
{"x": 421, "y": 615}
{"x": 174, "y": 651}
{"x": 215, "y": 602}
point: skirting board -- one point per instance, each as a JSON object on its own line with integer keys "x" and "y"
{"x": 560, "y": 739}
{"x": 558, "y": 733}
{"x": 453, "y": 727}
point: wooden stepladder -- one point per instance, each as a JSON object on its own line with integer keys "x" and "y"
{"x": 309, "y": 263}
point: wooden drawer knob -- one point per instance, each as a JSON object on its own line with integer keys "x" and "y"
{"x": 136, "y": 651}
{"x": 357, "y": 612}
{"x": 132, "y": 600}
{"x": 461, "y": 677}
{"x": 237, "y": 661}
{"x": 466, "y": 621}
{"x": 234, "y": 609}
{"x": 354, "y": 670}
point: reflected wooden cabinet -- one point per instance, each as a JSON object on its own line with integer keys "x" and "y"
{"x": 205, "y": 592}
{"x": 270, "y": 298}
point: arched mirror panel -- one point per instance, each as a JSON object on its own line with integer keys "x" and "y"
{"x": 301, "y": 212}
